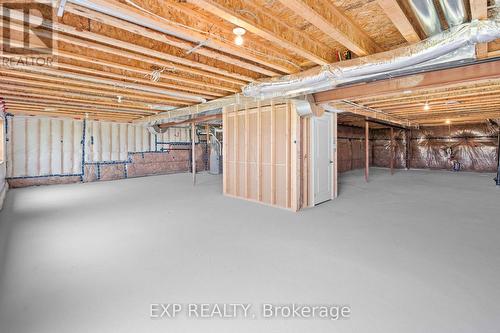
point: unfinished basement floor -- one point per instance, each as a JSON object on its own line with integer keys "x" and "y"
{"x": 415, "y": 252}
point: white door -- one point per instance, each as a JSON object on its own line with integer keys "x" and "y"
{"x": 322, "y": 158}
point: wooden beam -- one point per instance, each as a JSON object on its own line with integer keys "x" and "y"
{"x": 68, "y": 114}
{"x": 168, "y": 86}
{"x": 264, "y": 25}
{"x": 171, "y": 61}
{"x": 348, "y": 106}
{"x": 141, "y": 71}
{"x": 169, "y": 29}
{"x": 439, "y": 78}
{"x": 48, "y": 101}
{"x": 392, "y": 9}
{"x": 138, "y": 20}
{"x": 69, "y": 86}
{"x": 331, "y": 21}
{"x": 479, "y": 11}
{"x": 67, "y": 96}
{"x": 121, "y": 88}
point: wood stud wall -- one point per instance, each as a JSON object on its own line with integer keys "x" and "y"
{"x": 262, "y": 154}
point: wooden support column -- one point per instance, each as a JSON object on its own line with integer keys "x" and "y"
{"x": 273, "y": 154}
{"x": 193, "y": 151}
{"x": 259, "y": 153}
{"x": 408, "y": 149}
{"x": 236, "y": 155}
{"x": 288, "y": 185}
{"x": 224, "y": 149}
{"x": 392, "y": 151}
{"x": 246, "y": 161}
{"x": 207, "y": 131}
{"x": 367, "y": 150}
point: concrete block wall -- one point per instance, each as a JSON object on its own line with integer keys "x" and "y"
{"x": 43, "y": 150}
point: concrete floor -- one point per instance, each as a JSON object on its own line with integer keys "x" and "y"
{"x": 415, "y": 252}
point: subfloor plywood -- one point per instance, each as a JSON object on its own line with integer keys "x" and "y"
{"x": 415, "y": 252}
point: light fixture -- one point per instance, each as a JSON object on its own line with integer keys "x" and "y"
{"x": 119, "y": 98}
{"x": 407, "y": 92}
{"x": 239, "y": 32}
{"x": 427, "y": 107}
{"x": 448, "y": 121}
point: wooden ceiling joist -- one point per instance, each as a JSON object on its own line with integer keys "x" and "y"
{"x": 331, "y": 21}
{"x": 72, "y": 80}
{"x": 63, "y": 85}
{"x": 392, "y": 9}
{"x": 72, "y": 114}
{"x": 177, "y": 63}
{"x": 347, "y": 106}
{"x": 114, "y": 8}
{"x": 44, "y": 95}
{"x": 134, "y": 28}
{"x": 143, "y": 72}
{"x": 266, "y": 26}
{"x": 27, "y": 96}
{"x": 12, "y": 101}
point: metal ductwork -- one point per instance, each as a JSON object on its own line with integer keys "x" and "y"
{"x": 454, "y": 11}
{"x": 427, "y": 15}
{"x": 447, "y": 49}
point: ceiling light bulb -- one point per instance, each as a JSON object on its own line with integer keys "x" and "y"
{"x": 238, "y": 40}
{"x": 448, "y": 121}
{"x": 239, "y": 31}
{"x": 427, "y": 106}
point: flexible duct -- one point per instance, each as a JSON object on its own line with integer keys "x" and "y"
{"x": 427, "y": 16}
{"x": 454, "y": 11}
{"x": 456, "y": 45}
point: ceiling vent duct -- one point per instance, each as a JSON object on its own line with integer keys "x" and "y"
{"x": 454, "y": 11}
{"x": 427, "y": 16}
{"x": 447, "y": 49}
